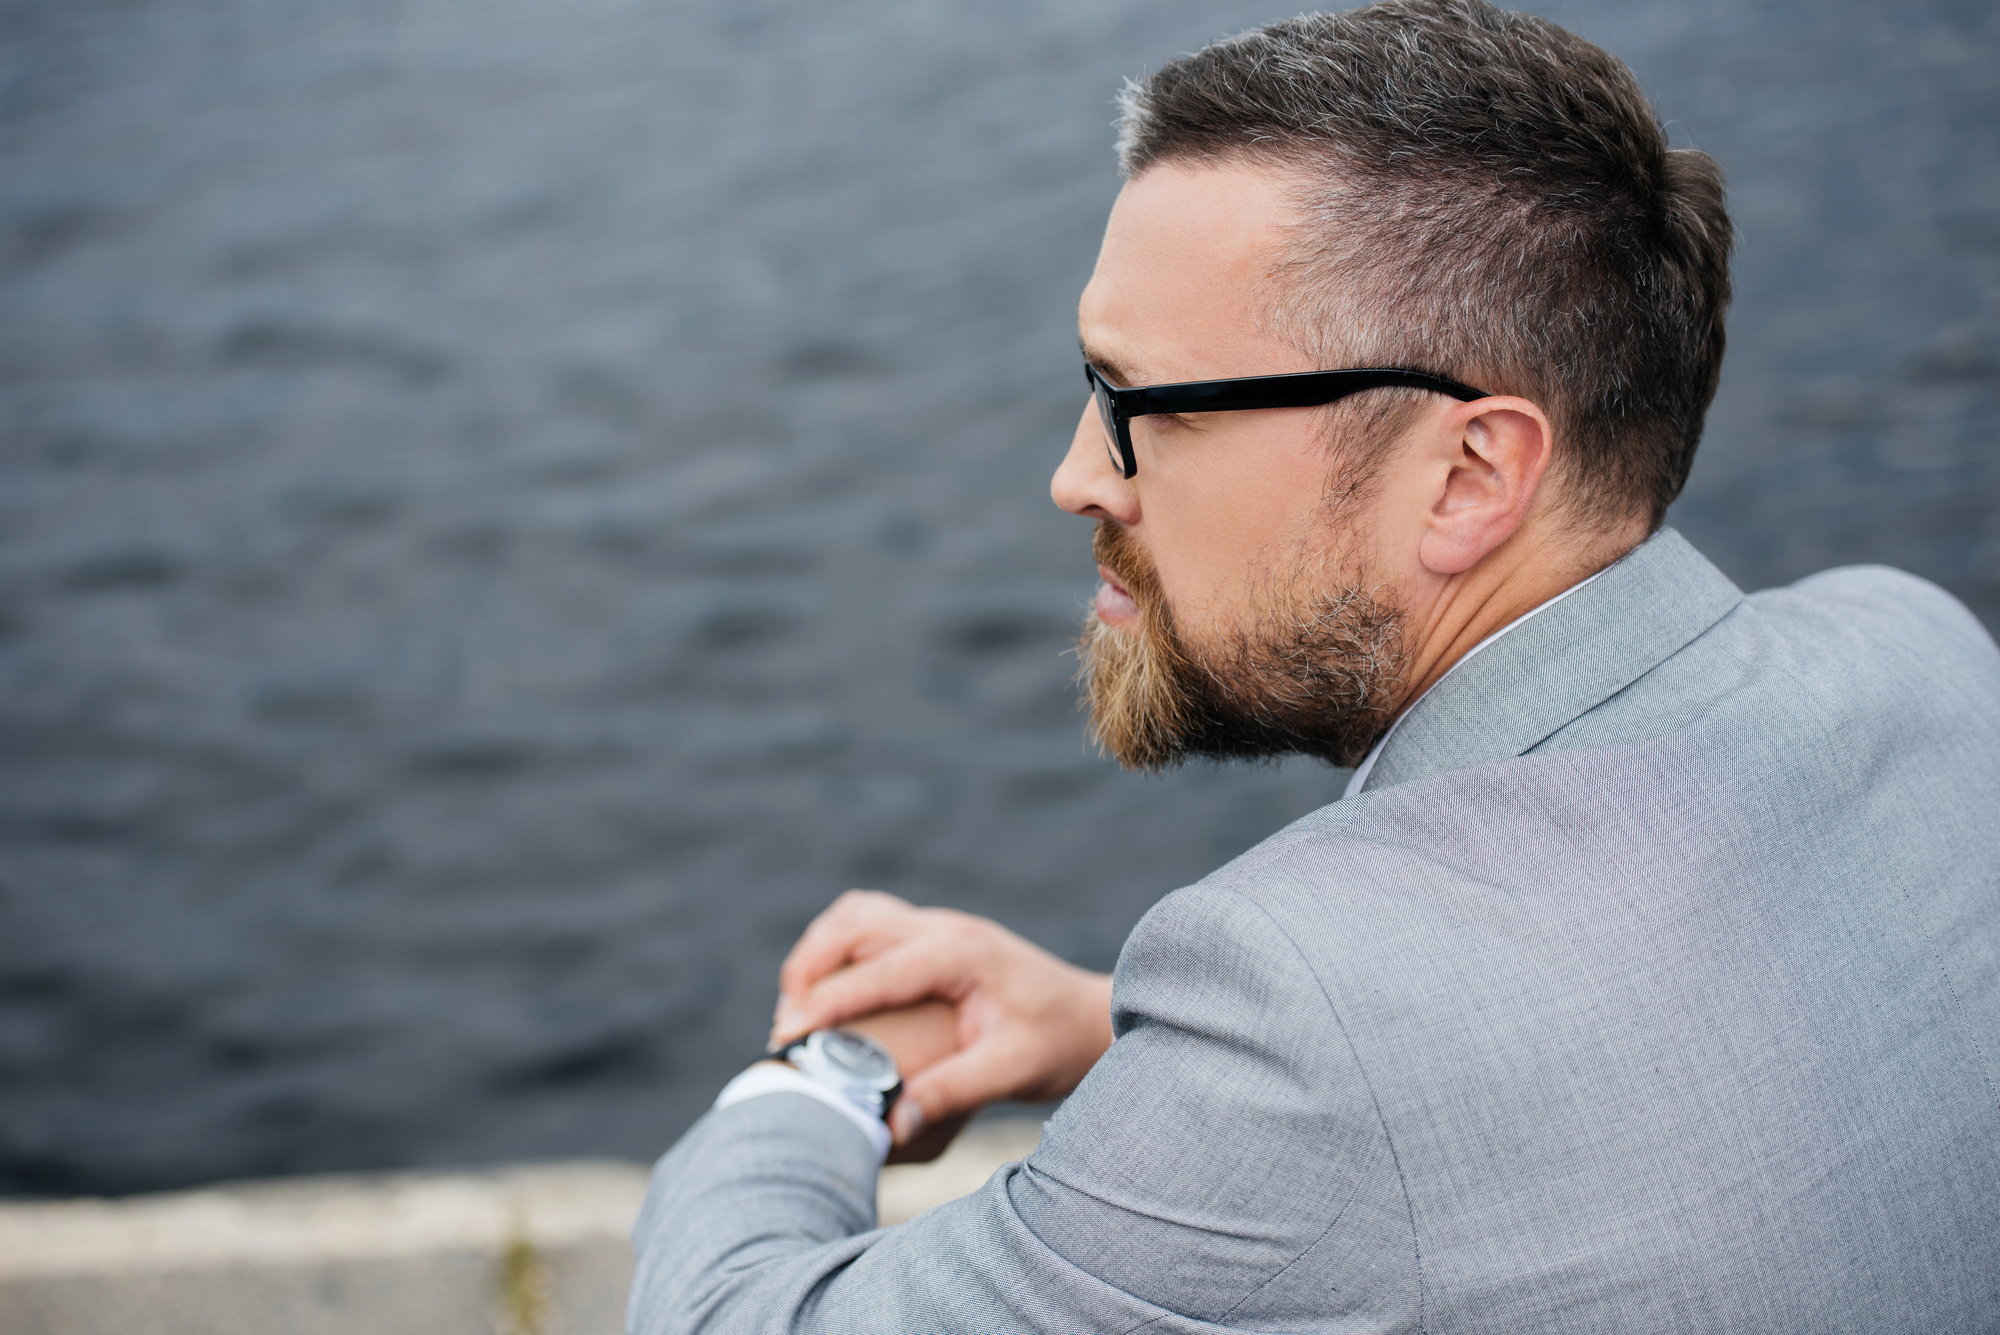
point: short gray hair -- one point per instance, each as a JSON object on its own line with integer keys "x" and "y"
{"x": 1486, "y": 196}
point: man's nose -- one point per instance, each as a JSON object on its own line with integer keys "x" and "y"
{"x": 1085, "y": 482}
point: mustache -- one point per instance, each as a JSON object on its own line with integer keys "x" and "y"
{"x": 1114, "y": 548}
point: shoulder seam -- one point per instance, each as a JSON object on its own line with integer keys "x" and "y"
{"x": 1402, "y": 1182}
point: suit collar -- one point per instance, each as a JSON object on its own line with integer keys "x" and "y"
{"x": 1566, "y": 661}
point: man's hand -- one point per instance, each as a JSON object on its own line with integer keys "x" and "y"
{"x": 1029, "y": 1025}
{"x": 917, "y": 1037}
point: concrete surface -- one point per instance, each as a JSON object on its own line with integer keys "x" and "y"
{"x": 524, "y": 1251}
{"x": 535, "y": 1250}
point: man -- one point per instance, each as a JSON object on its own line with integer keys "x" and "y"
{"x": 1646, "y": 977}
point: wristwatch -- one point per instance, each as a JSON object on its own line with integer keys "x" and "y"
{"x": 852, "y": 1065}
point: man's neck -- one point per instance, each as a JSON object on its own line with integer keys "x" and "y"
{"x": 1511, "y": 582}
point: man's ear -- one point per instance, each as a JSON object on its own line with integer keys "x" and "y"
{"x": 1503, "y": 446}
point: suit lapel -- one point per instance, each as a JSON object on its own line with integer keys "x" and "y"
{"x": 1562, "y": 663}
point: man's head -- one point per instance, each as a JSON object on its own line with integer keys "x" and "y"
{"x": 1427, "y": 184}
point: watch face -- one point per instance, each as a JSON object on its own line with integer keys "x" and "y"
{"x": 855, "y": 1057}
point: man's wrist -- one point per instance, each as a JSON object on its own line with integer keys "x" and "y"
{"x": 772, "y": 1076}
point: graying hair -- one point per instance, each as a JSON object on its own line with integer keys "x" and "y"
{"x": 1486, "y": 196}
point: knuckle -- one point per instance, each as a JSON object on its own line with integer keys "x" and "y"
{"x": 962, "y": 929}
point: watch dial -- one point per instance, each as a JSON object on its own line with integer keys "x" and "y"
{"x": 858, "y": 1057}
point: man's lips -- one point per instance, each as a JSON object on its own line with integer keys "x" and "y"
{"x": 1115, "y": 604}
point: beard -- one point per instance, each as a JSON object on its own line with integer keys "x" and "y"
{"x": 1314, "y": 674}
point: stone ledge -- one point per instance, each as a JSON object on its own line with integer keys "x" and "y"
{"x": 529, "y": 1250}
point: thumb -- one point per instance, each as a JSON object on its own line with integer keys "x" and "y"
{"x": 960, "y": 1083}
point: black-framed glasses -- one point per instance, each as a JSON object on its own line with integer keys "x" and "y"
{"x": 1306, "y": 389}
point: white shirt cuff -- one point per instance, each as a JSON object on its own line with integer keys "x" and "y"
{"x": 773, "y": 1078}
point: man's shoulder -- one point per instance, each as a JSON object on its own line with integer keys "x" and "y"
{"x": 1820, "y": 702}
{"x": 1236, "y": 944}
{"x": 1881, "y": 606}
{"x": 1877, "y": 656}
{"x": 1879, "y": 588}
{"x": 1210, "y": 935}
{"x": 1364, "y": 866}
{"x": 1888, "y": 659}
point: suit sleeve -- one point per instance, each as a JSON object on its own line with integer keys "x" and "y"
{"x": 1222, "y": 1167}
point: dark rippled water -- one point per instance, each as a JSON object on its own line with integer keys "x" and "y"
{"x": 504, "y": 510}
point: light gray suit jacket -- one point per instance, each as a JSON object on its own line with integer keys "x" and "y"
{"x": 1652, "y": 984}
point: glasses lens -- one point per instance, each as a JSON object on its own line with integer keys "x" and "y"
{"x": 1104, "y": 415}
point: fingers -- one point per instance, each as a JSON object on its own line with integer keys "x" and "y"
{"x": 960, "y": 1084}
{"x": 916, "y": 1036}
{"x": 928, "y": 1142}
{"x": 843, "y": 932}
{"x": 906, "y": 1125}
{"x": 900, "y": 976}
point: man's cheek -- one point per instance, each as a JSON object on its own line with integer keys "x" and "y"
{"x": 1200, "y": 610}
